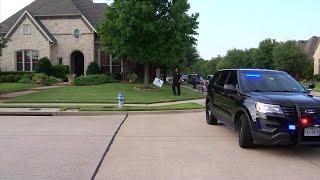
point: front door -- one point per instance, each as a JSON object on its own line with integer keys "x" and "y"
{"x": 77, "y": 63}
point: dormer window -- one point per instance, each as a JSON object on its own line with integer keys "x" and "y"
{"x": 26, "y": 29}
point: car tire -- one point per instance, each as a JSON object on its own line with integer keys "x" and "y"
{"x": 211, "y": 119}
{"x": 245, "y": 136}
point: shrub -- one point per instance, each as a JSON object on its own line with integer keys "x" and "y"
{"x": 26, "y": 78}
{"x": 93, "y": 80}
{"x": 133, "y": 77}
{"x": 117, "y": 76}
{"x": 15, "y": 73}
{"x": 93, "y": 68}
{"x": 316, "y": 77}
{"x": 44, "y": 66}
{"x": 11, "y": 78}
{"x": 61, "y": 71}
{"x": 45, "y": 80}
{"x": 50, "y": 80}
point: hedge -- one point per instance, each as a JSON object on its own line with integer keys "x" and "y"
{"x": 93, "y": 80}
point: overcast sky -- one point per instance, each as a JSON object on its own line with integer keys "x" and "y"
{"x": 226, "y": 24}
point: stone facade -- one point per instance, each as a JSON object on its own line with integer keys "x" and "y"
{"x": 18, "y": 41}
{"x": 316, "y": 58}
{"x": 67, "y": 43}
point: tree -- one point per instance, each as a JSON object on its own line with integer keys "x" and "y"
{"x": 263, "y": 58}
{"x": 3, "y": 42}
{"x": 192, "y": 56}
{"x": 290, "y": 58}
{"x": 152, "y": 32}
{"x": 236, "y": 58}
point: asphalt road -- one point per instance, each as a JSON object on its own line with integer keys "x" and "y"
{"x": 53, "y": 147}
{"x": 183, "y": 146}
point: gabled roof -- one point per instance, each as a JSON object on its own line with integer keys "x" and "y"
{"x": 310, "y": 46}
{"x": 43, "y": 30}
{"x": 92, "y": 12}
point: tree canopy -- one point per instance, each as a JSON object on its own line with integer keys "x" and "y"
{"x": 151, "y": 32}
{"x": 270, "y": 54}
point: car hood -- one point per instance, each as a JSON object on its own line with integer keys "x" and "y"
{"x": 285, "y": 98}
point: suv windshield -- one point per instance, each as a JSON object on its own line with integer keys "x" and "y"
{"x": 269, "y": 81}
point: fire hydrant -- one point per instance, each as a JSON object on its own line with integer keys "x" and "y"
{"x": 121, "y": 99}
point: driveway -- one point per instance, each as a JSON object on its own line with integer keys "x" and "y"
{"x": 183, "y": 146}
{"x": 53, "y": 147}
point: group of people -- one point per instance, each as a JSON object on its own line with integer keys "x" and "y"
{"x": 176, "y": 82}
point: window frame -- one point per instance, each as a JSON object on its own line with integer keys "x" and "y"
{"x": 32, "y": 62}
{"x": 26, "y": 28}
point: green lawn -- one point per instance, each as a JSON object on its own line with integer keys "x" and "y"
{"x": 106, "y": 94}
{"x": 13, "y": 87}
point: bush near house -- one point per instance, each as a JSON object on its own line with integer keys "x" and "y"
{"x": 94, "y": 80}
{"x": 44, "y": 66}
{"x": 93, "y": 68}
{"x": 13, "y": 77}
{"x": 316, "y": 77}
{"x": 61, "y": 71}
{"x": 45, "y": 79}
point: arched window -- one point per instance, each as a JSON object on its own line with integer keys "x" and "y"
{"x": 26, "y": 60}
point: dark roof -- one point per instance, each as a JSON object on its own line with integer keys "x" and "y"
{"x": 46, "y": 30}
{"x": 309, "y": 46}
{"x": 92, "y": 11}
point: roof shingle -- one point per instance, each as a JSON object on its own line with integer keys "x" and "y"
{"x": 92, "y": 11}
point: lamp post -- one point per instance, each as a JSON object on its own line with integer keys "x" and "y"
{"x": 121, "y": 99}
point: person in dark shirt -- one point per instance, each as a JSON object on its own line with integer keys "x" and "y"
{"x": 176, "y": 82}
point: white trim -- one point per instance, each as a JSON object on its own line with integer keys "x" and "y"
{"x": 34, "y": 21}
{"x": 58, "y": 15}
{"x": 88, "y": 22}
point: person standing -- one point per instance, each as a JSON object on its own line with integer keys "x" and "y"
{"x": 176, "y": 82}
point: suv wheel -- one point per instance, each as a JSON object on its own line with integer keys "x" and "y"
{"x": 211, "y": 119}
{"x": 245, "y": 137}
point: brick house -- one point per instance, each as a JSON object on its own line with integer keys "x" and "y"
{"x": 312, "y": 48}
{"x": 62, "y": 30}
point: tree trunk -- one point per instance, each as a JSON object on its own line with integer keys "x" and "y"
{"x": 164, "y": 72}
{"x": 146, "y": 75}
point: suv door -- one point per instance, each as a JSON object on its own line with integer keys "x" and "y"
{"x": 230, "y": 96}
{"x": 218, "y": 95}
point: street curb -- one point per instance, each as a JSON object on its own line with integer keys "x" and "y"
{"x": 96, "y": 113}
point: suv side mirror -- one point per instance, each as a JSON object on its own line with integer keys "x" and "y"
{"x": 229, "y": 87}
{"x": 312, "y": 86}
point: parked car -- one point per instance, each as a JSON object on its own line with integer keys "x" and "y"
{"x": 169, "y": 79}
{"x": 264, "y": 106}
{"x": 209, "y": 77}
{"x": 184, "y": 78}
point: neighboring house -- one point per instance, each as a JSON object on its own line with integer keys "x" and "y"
{"x": 62, "y": 30}
{"x": 312, "y": 48}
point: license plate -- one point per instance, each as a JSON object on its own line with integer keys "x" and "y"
{"x": 312, "y": 131}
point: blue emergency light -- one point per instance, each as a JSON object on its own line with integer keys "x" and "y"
{"x": 253, "y": 75}
{"x": 292, "y": 127}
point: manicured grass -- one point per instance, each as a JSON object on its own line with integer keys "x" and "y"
{"x": 107, "y": 94}
{"x": 317, "y": 88}
{"x": 183, "y": 106}
{"x": 14, "y": 87}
